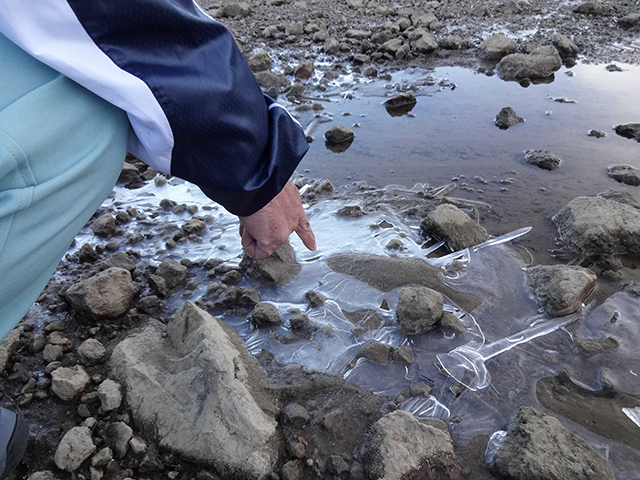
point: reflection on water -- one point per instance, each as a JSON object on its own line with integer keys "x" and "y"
{"x": 339, "y": 147}
{"x": 450, "y": 134}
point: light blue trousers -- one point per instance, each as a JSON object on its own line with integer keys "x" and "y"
{"x": 61, "y": 151}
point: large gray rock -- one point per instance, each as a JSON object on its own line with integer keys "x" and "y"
{"x": 200, "y": 393}
{"x": 401, "y": 447}
{"x": 279, "y": 269}
{"x": 419, "y": 309}
{"x": 459, "y": 230}
{"x": 74, "y": 448}
{"x": 560, "y": 289}
{"x": 107, "y": 294}
{"x": 496, "y": 46}
{"x": 538, "y": 447}
{"x": 625, "y": 174}
{"x": 566, "y": 48}
{"x": 540, "y": 63}
{"x": 543, "y": 159}
{"x": 69, "y": 383}
{"x": 598, "y": 226}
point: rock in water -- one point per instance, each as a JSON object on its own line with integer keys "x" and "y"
{"x": 599, "y": 226}
{"x": 400, "y": 447}
{"x": 200, "y": 393}
{"x": 496, "y": 46}
{"x": 419, "y": 309}
{"x": 592, "y": 346}
{"x": 279, "y": 269}
{"x": 338, "y": 134}
{"x": 540, "y": 63}
{"x": 507, "y": 118}
{"x": 74, "y": 448}
{"x": 538, "y": 447}
{"x": 402, "y": 101}
{"x": 386, "y": 273}
{"x": 459, "y": 230}
{"x": 376, "y": 352}
{"x": 628, "y": 130}
{"x": 625, "y": 174}
{"x": 596, "y": 133}
{"x": 265, "y": 314}
{"x": 107, "y": 294}
{"x": 565, "y": 47}
{"x": 543, "y": 159}
{"x": 560, "y": 289}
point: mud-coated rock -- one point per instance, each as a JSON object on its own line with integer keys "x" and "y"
{"x": 419, "y": 309}
{"x": 560, "y": 289}
{"x": 543, "y": 159}
{"x": 539, "y": 447}
{"x": 400, "y": 446}
{"x": 540, "y": 63}
{"x": 107, "y": 294}
{"x": 172, "y": 272}
{"x": 506, "y": 118}
{"x": 74, "y": 448}
{"x": 91, "y": 351}
{"x": 279, "y": 269}
{"x": 593, "y": 346}
{"x": 268, "y": 79}
{"x": 338, "y": 134}
{"x": 451, "y": 323}
{"x": 200, "y": 393}
{"x": 599, "y": 226}
{"x": 496, "y": 46}
{"x": 625, "y": 174}
{"x": 377, "y": 352}
{"x": 452, "y": 225}
{"x": 305, "y": 70}
{"x": 69, "y": 383}
{"x": 265, "y": 314}
{"x": 565, "y": 47}
{"x": 103, "y": 225}
{"x": 260, "y": 62}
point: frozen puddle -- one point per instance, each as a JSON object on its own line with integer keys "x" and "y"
{"x": 509, "y": 344}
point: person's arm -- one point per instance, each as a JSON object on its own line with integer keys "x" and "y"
{"x": 196, "y": 109}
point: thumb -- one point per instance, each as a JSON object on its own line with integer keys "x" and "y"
{"x": 306, "y": 234}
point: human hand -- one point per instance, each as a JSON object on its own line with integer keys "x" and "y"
{"x": 269, "y": 228}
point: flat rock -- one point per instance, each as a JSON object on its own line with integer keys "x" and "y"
{"x": 386, "y": 273}
{"x": 200, "y": 393}
{"x": 338, "y": 134}
{"x": 628, "y": 130}
{"x": 75, "y": 447}
{"x": 506, "y": 118}
{"x": 496, "y": 46}
{"x": 107, "y": 294}
{"x": 279, "y": 269}
{"x": 377, "y": 352}
{"x": 450, "y": 224}
{"x": 625, "y": 174}
{"x": 69, "y": 383}
{"x": 560, "y": 289}
{"x": 419, "y": 309}
{"x": 540, "y": 63}
{"x": 400, "y": 447}
{"x": 543, "y": 159}
{"x": 599, "y": 226}
{"x": 538, "y": 447}
{"x": 119, "y": 260}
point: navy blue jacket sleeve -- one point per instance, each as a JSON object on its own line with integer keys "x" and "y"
{"x": 210, "y": 123}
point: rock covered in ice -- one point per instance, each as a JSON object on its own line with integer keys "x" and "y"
{"x": 538, "y": 447}
{"x": 401, "y": 446}
{"x": 560, "y": 289}
{"x": 459, "y": 230}
{"x": 419, "y": 309}
{"x": 200, "y": 393}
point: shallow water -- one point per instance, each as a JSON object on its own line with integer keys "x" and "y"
{"x": 495, "y": 274}
{"x": 453, "y": 135}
